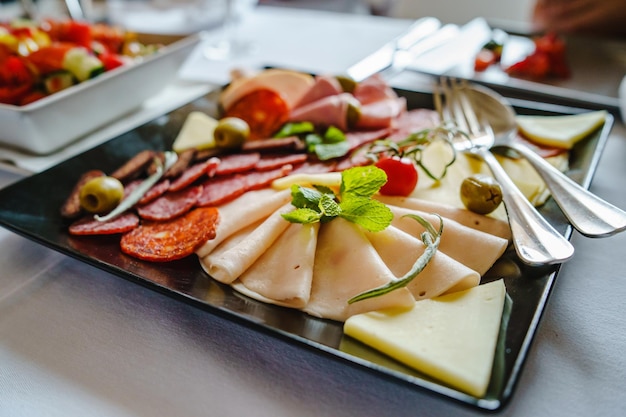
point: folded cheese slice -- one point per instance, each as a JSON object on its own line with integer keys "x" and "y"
{"x": 243, "y": 211}
{"x": 347, "y": 264}
{"x": 475, "y": 249}
{"x": 451, "y": 338}
{"x": 399, "y": 251}
{"x": 283, "y": 274}
{"x": 226, "y": 263}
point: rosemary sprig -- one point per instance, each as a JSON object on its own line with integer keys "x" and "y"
{"x": 431, "y": 239}
{"x": 414, "y": 145}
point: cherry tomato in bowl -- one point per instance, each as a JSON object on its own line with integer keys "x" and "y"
{"x": 401, "y": 175}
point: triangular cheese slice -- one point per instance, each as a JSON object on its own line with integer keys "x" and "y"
{"x": 560, "y": 131}
{"x": 451, "y": 338}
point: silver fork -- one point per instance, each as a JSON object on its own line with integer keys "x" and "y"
{"x": 536, "y": 241}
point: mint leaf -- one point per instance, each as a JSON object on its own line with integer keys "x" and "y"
{"x": 334, "y": 135}
{"x": 370, "y": 214}
{"x": 326, "y": 151}
{"x": 362, "y": 181}
{"x": 328, "y": 206}
{"x": 302, "y": 215}
{"x": 293, "y": 129}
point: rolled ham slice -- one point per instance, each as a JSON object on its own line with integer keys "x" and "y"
{"x": 400, "y": 251}
{"x": 381, "y": 114}
{"x": 283, "y": 274}
{"x": 228, "y": 263}
{"x": 475, "y": 249}
{"x": 324, "y": 86}
{"x": 244, "y": 211}
{"x": 347, "y": 264}
{"x": 373, "y": 89}
{"x": 328, "y": 111}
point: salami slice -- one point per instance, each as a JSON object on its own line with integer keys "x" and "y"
{"x": 194, "y": 172}
{"x": 235, "y": 163}
{"x": 172, "y": 239}
{"x": 171, "y": 204}
{"x": 268, "y": 162}
{"x": 89, "y": 226}
{"x": 134, "y": 166}
{"x": 315, "y": 167}
{"x": 261, "y": 179}
{"x": 185, "y": 158}
{"x": 264, "y": 110}
{"x": 220, "y": 190}
{"x": 156, "y": 191}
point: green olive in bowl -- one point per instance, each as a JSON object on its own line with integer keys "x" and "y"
{"x": 481, "y": 194}
{"x": 231, "y": 133}
{"x": 101, "y": 195}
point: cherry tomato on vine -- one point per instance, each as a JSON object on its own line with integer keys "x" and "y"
{"x": 401, "y": 175}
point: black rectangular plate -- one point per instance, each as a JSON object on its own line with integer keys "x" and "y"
{"x": 30, "y": 208}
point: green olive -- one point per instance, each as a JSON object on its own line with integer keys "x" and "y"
{"x": 231, "y": 133}
{"x": 348, "y": 84}
{"x": 101, "y": 194}
{"x": 481, "y": 194}
{"x": 353, "y": 113}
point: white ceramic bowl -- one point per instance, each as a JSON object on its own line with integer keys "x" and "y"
{"x": 53, "y": 122}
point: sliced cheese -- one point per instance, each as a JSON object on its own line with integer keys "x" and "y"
{"x": 346, "y": 264}
{"x": 242, "y": 212}
{"x": 197, "y": 132}
{"x": 451, "y": 338}
{"x": 283, "y": 274}
{"x": 560, "y": 131}
{"x": 328, "y": 179}
{"x": 399, "y": 251}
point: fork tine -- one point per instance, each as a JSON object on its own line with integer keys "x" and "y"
{"x": 473, "y": 125}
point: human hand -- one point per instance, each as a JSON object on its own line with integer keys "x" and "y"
{"x": 602, "y": 17}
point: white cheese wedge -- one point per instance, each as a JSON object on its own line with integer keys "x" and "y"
{"x": 451, "y": 338}
{"x": 560, "y": 131}
{"x": 197, "y": 132}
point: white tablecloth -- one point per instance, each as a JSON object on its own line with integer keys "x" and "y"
{"x": 76, "y": 341}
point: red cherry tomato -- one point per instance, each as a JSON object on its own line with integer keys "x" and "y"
{"x": 484, "y": 59}
{"x": 401, "y": 176}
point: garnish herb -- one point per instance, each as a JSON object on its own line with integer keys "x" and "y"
{"x": 353, "y": 203}
{"x": 414, "y": 145}
{"x": 326, "y": 145}
{"x": 430, "y": 238}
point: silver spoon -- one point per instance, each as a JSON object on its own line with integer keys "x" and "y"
{"x": 588, "y": 213}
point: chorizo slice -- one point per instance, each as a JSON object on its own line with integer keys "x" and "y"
{"x": 264, "y": 110}
{"x": 173, "y": 239}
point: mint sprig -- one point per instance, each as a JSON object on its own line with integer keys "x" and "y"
{"x": 354, "y": 202}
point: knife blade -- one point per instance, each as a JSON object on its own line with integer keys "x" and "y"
{"x": 383, "y": 58}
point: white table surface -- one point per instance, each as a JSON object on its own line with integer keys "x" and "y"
{"x": 77, "y": 341}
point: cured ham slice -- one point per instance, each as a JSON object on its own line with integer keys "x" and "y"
{"x": 328, "y": 111}
{"x": 283, "y": 274}
{"x": 228, "y": 263}
{"x": 346, "y": 264}
{"x": 399, "y": 251}
{"x": 467, "y": 218}
{"x": 381, "y": 113}
{"x": 244, "y": 211}
{"x": 373, "y": 89}
{"x": 475, "y": 249}
{"x": 170, "y": 205}
{"x": 324, "y": 86}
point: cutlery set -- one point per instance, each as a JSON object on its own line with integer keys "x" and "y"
{"x": 460, "y": 102}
